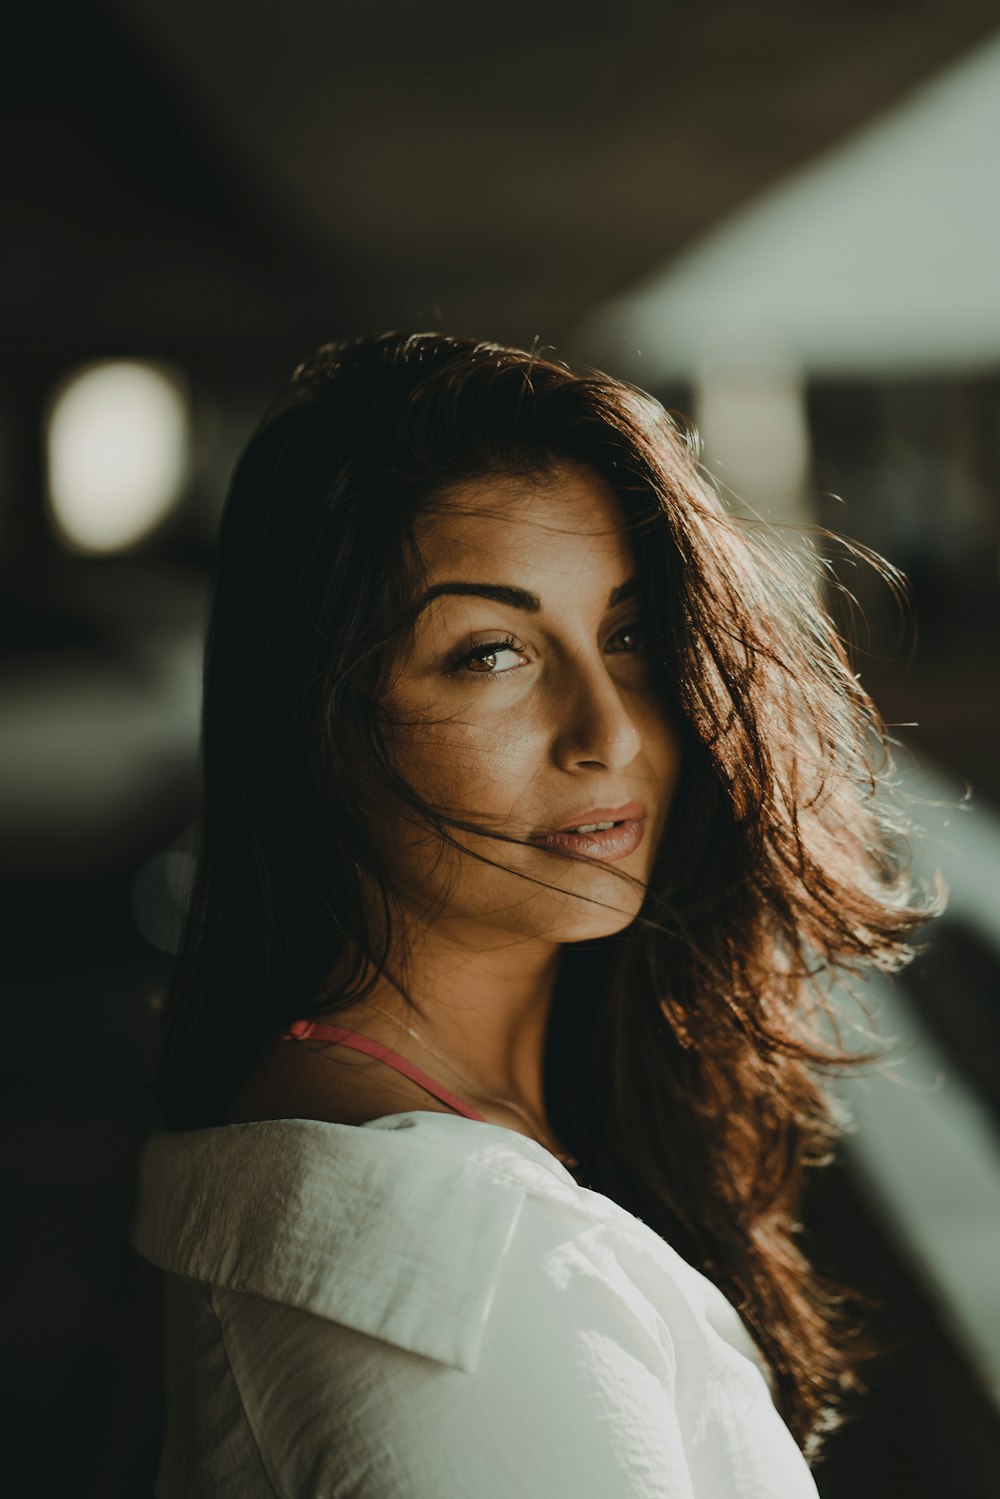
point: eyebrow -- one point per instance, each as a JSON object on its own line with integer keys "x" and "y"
{"x": 512, "y": 596}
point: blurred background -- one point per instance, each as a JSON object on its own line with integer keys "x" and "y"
{"x": 784, "y": 220}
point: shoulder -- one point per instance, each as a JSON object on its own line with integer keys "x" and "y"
{"x": 398, "y": 1229}
{"x": 334, "y": 1084}
{"x": 542, "y": 1414}
{"x": 404, "y": 1228}
{"x": 555, "y": 1386}
{"x": 430, "y": 1306}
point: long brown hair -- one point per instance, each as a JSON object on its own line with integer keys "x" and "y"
{"x": 685, "y": 1054}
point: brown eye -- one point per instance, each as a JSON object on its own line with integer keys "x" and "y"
{"x": 636, "y": 629}
{"x": 482, "y": 655}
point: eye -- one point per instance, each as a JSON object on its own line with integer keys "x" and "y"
{"x": 483, "y": 654}
{"x": 636, "y": 629}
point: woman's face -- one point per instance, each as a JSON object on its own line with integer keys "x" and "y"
{"x": 528, "y": 737}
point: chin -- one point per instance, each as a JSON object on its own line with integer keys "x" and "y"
{"x": 525, "y": 911}
{"x": 589, "y": 931}
{"x": 580, "y": 921}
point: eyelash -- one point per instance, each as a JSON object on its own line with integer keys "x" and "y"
{"x": 492, "y": 647}
{"x": 489, "y": 649}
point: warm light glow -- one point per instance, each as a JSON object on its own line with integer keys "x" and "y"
{"x": 118, "y": 437}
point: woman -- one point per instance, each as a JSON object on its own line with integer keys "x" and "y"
{"x": 484, "y": 1139}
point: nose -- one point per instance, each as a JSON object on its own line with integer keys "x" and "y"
{"x": 593, "y": 723}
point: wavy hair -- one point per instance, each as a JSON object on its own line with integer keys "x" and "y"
{"x": 685, "y": 1055}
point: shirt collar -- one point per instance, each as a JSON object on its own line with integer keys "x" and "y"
{"x": 397, "y": 1228}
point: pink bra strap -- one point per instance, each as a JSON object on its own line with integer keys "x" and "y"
{"x": 308, "y": 1030}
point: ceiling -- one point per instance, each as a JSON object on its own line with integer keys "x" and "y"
{"x": 248, "y": 174}
{"x": 877, "y": 260}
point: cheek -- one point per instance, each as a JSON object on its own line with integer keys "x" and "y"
{"x": 471, "y": 764}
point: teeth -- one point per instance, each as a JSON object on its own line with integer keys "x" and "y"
{"x": 592, "y": 827}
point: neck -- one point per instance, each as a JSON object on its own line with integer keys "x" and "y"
{"x": 484, "y": 1011}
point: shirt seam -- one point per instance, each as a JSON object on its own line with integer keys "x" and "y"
{"x": 278, "y": 1492}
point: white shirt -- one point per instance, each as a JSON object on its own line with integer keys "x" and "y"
{"x": 429, "y": 1307}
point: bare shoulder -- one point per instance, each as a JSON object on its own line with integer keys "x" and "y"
{"x": 309, "y": 1080}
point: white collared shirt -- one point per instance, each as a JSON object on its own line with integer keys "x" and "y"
{"x": 429, "y": 1307}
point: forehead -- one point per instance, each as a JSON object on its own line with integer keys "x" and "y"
{"x": 565, "y": 521}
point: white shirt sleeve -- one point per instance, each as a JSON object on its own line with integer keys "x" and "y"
{"x": 572, "y": 1394}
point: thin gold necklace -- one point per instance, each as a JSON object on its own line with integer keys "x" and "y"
{"x": 568, "y": 1161}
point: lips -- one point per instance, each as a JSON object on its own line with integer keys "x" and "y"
{"x": 606, "y": 844}
{"x": 629, "y": 812}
